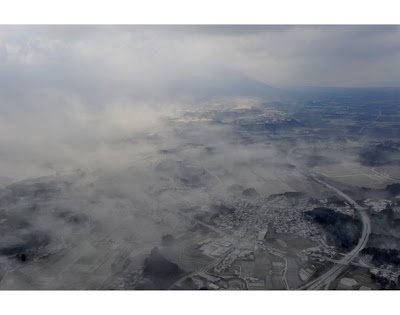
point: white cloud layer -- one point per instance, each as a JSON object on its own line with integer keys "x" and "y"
{"x": 67, "y": 92}
{"x": 148, "y": 56}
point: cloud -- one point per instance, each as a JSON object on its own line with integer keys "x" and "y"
{"x": 67, "y": 92}
{"x": 149, "y": 57}
{"x": 92, "y": 105}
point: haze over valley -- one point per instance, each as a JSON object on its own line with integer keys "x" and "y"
{"x": 199, "y": 157}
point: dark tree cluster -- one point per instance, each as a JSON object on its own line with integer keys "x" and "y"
{"x": 382, "y": 256}
{"x": 159, "y": 272}
{"x": 343, "y": 231}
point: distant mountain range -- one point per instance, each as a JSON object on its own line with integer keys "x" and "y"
{"x": 231, "y": 84}
{"x": 235, "y": 84}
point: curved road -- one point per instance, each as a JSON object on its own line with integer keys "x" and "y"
{"x": 325, "y": 279}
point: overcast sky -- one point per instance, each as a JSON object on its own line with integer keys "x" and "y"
{"x": 83, "y": 57}
{"x": 68, "y": 94}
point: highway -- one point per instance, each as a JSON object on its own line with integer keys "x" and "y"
{"x": 324, "y": 280}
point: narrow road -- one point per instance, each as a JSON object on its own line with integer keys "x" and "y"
{"x": 284, "y": 269}
{"x": 384, "y": 175}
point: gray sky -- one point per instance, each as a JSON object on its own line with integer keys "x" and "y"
{"x": 69, "y": 94}
{"x": 84, "y": 57}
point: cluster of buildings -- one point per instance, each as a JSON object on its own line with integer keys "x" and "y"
{"x": 377, "y": 205}
{"x": 214, "y": 247}
{"x": 345, "y": 209}
{"x": 386, "y": 276}
{"x": 271, "y": 117}
{"x": 129, "y": 280}
{"x": 318, "y": 253}
{"x": 237, "y": 254}
{"x": 209, "y": 282}
{"x": 279, "y": 212}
